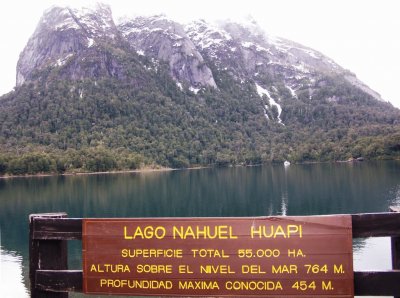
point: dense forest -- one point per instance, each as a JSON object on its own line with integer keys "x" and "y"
{"x": 55, "y": 126}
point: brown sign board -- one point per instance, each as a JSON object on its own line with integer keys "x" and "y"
{"x": 307, "y": 256}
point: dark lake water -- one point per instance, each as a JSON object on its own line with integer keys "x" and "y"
{"x": 243, "y": 191}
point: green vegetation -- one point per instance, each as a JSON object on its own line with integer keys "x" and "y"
{"x": 55, "y": 125}
{"x": 88, "y": 160}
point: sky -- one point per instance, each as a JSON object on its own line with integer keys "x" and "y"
{"x": 362, "y": 36}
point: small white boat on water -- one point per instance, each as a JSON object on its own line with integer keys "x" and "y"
{"x": 286, "y": 163}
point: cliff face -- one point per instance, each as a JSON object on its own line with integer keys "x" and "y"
{"x": 163, "y": 39}
{"x": 67, "y": 38}
{"x": 72, "y": 39}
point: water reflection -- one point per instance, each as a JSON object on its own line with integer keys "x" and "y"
{"x": 372, "y": 254}
{"x": 285, "y": 196}
{"x": 396, "y": 196}
{"x": 11, "y": 277}
{"x": 241, "y": 191}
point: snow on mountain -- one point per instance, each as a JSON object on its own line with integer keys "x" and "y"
{"x": 161, "y": 38}
{"x": 272, "y": 102}
{"x": 246, "y": 50}
{"x": 96, "y": 21}
{"x": 205, "y": 35}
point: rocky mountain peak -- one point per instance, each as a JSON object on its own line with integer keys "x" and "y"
{"x": 242, "y": 49}
{"x": 163, "y": 39}
{"x": 206, "y": 35}
{"x": 97, "y": 21}
{"x": 62, "y": 33}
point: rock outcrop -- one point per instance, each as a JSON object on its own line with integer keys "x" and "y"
{"x": 160, "y": 38}
{"x": 67, "y": 37}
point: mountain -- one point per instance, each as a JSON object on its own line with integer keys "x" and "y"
{"x": 95, "y": 94}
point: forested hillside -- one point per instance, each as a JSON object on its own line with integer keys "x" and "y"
{"x": 119, "y": 99}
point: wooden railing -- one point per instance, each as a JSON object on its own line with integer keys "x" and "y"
{"x": 50, "y": 277}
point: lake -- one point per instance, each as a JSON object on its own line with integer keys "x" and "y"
{"x": 311, "y": 189}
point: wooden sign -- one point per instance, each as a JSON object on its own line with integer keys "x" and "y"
{"x": 261, "y": 256}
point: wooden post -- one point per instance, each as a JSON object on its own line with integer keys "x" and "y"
{"x": 45, "y": 254}
{"x": 395, "y": 247}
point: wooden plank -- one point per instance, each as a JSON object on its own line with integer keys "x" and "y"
{"x": 364, "y": 225}
{"x": 58, "y": 229}
{"x": 376, "y": 225}
{"x": 395, "y": 243}
{"x": 45, "y": 255}
{"x": 365, "y": 283}
{"x": 377, "y": 283}
{"x": 59, "y": 280}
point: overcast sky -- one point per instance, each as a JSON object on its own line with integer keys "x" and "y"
{"x": 361, "y": 35}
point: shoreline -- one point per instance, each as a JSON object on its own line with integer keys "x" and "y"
{"x": 165, "y": 169}
{"x": 137, "y": 171}
{"x": 144, "y": 170}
